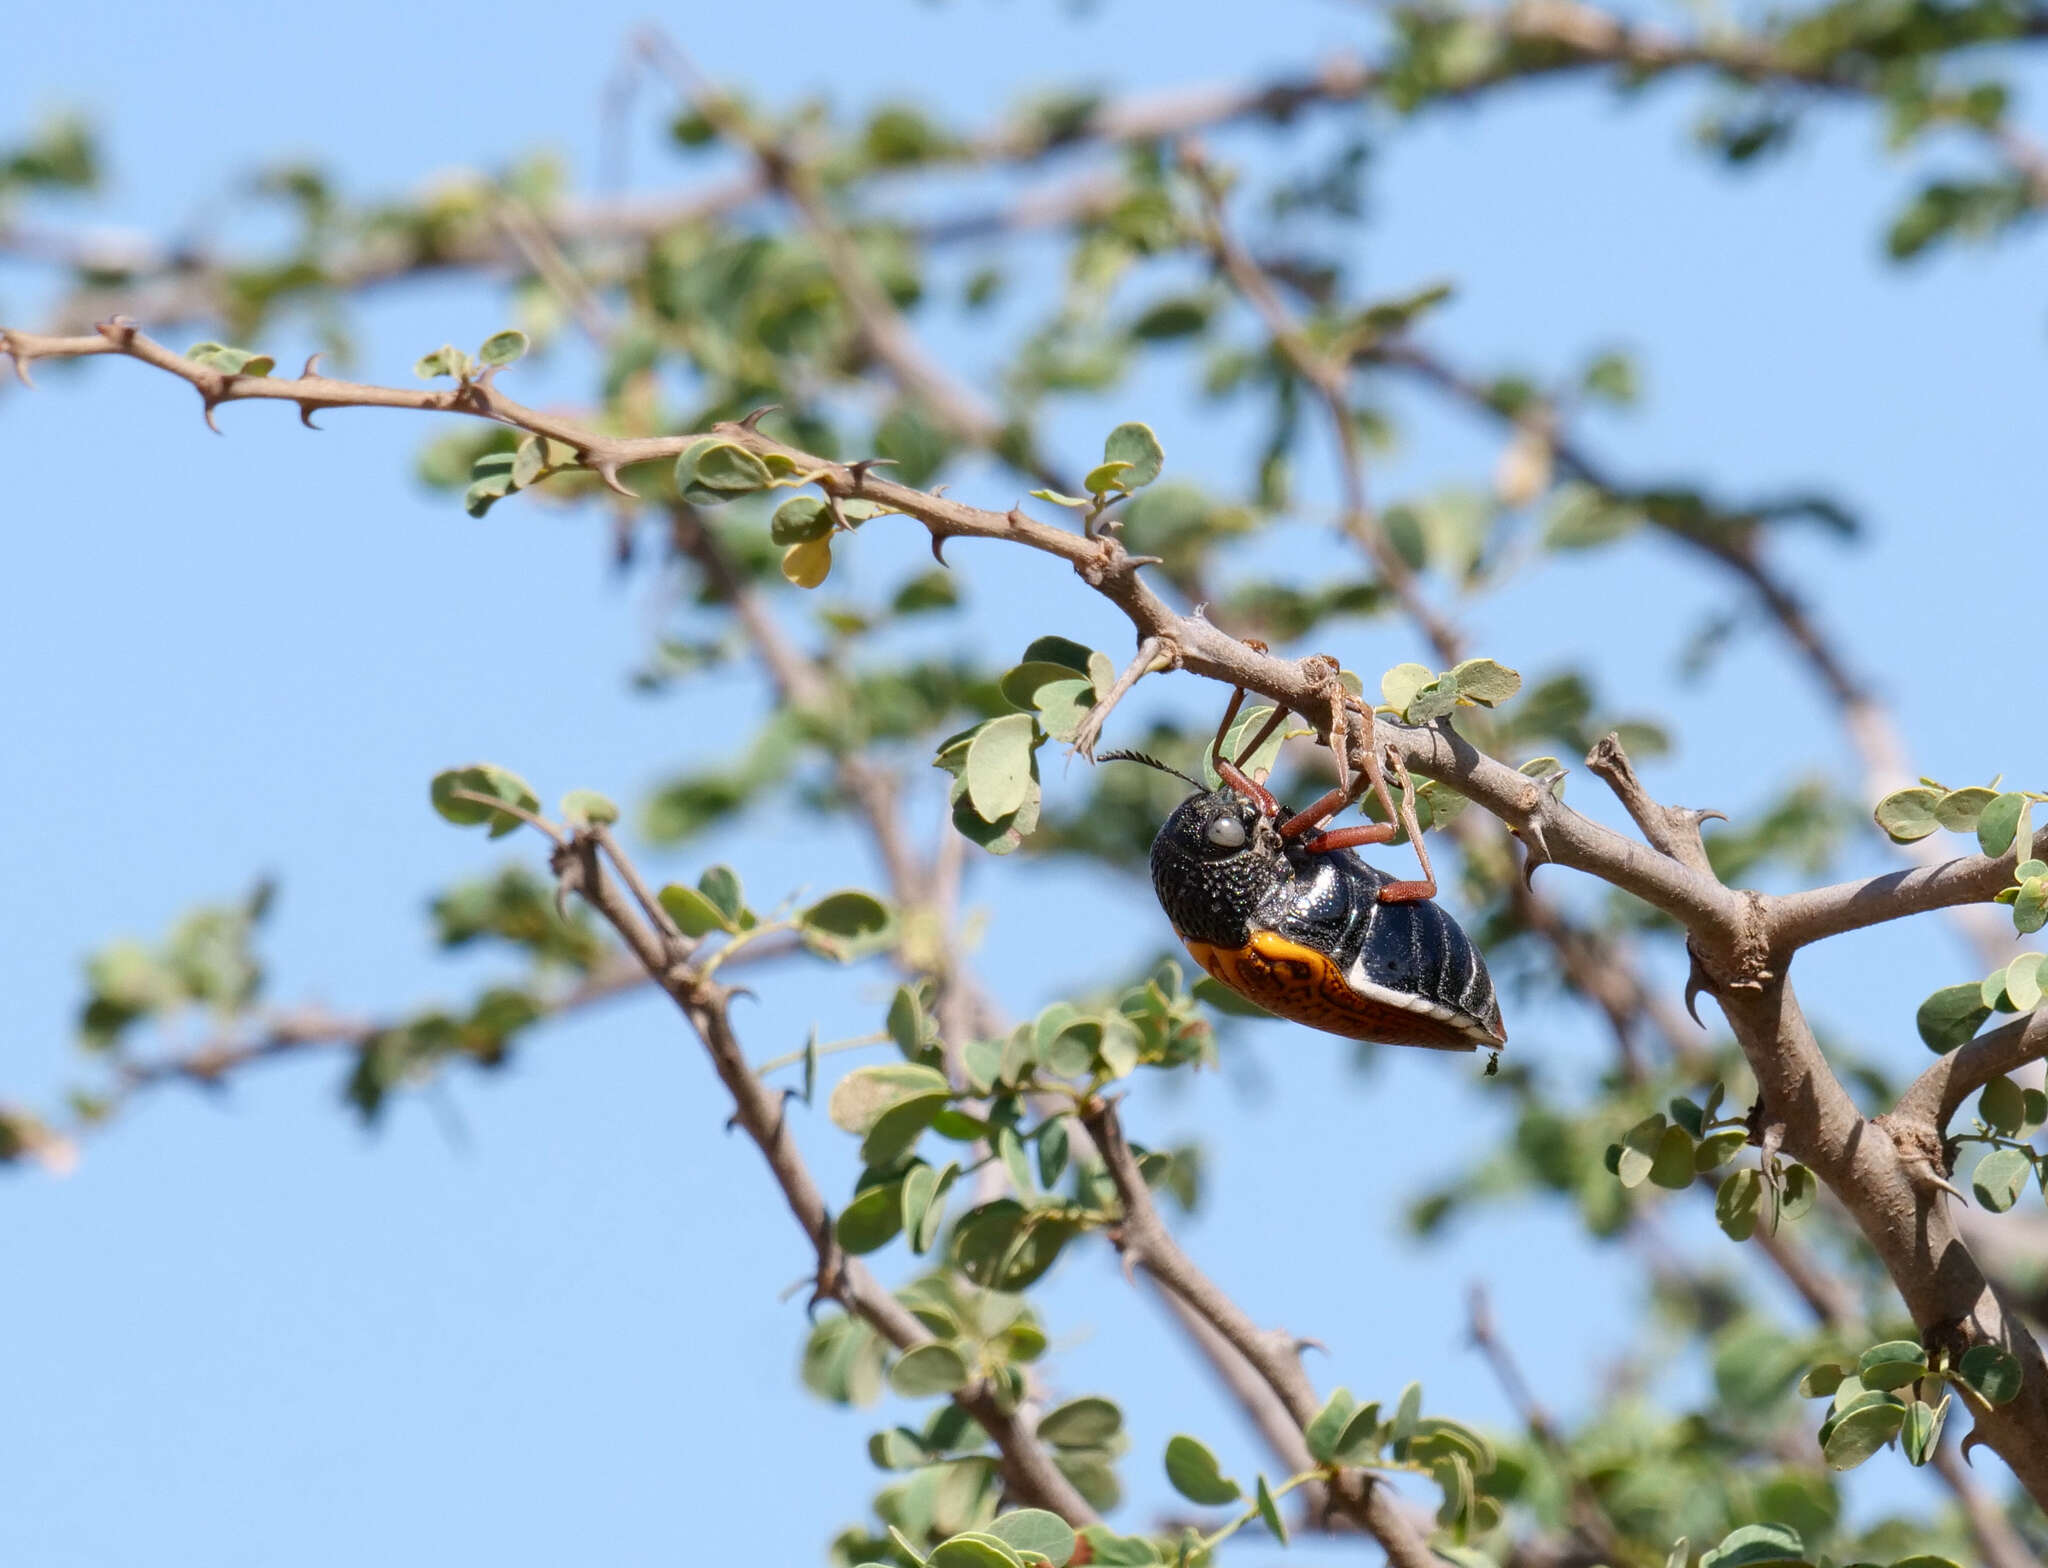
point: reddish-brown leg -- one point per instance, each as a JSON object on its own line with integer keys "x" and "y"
{"x": 1407, "y": 892}
{"x": 1349, "y": 838}
{"x": 1216, "y": 757}
{"x": 1325, "y": 808}
{"x": 1257, "y": 794}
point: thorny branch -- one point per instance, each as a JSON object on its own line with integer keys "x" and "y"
{"x": 1145, "y": 1241}
{"x": 581, "y": 866}
{"x": 1742, "y": 940}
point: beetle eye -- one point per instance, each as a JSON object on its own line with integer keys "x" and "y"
{"x": 1226, "y": 833}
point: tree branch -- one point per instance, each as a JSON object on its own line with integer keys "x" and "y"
{"x": 1028, "y": 1469}
{"x": 1145, "y": 1242}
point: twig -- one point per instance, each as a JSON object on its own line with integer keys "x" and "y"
{"x": 1151, "y": 655}
{"x": 1145, "y": 1242}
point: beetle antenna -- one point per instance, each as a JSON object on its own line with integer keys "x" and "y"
{"x": 1150, "y": 762}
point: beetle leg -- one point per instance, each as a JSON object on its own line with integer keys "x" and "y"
{"x": 1273, "y": 722}
{"x": 1257, "y": 794}
{"x": 1319, "y": 813}
{"x": 1216, "y": 758}
{"x": 1409, "y": 892}
{"x": 1349, "y": 838}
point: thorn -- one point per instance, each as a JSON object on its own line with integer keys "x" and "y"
{"x": 116, "y": 329}
{"x": 733, "y": 994}
{"x": 939, "y": 548}
{"x": 1695, "y": 982}
{"x": 1709, "y": 814}
{"x": 860, "y": 469}
{"x": 1535, "y": 852}
{"x": 1135, "y": 561}
{"x": 1971, "y": 1439}
{"x": 937, "y": 492}
{"x": 1015, "y": 517}
{"x": 210, "y": 404}
{"x": 753, "y": 420}
{"x": 306, "y": 411}
{"x": 1302, "y": 1342}
{"x": 312, "y": 364}
{"x": 20, "y": 367}
{"x": 608, "y": 471}
{"x": 732, "y": 1123}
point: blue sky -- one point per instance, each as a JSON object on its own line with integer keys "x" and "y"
{"x": 245, "y": 1332}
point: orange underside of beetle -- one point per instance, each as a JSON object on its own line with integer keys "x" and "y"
{"x": 1305, "y": 987}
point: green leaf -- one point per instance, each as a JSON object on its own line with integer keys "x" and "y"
{"x": 871, "y": 1221}
{"x": 1406, "y": 1414}
{"x": 694, "y": 914}
{"x": 1328, "y": 1423}
{"x": 1105, "y": 477}
{"x": 999, "y": 765}
{"x": 730, "y": 469}
{"x": 897, "y": 1130}
{"x": 1399, "y": 686}
{"x": 1053, "y": 1144}
{"x": 1736, "y": 1202}
{"x": 1063, "y": 704}
{"x": 1021, "y": 684}
{"x": 2003, "y": 1106}
{"x": 864, "y": 1095}
{"x": 1920, "y": 1432}
{"x": 1080, "y": 503}
{"x": 1437, "y": 700}
{"x": 586, "y": 808}
{"x": 1893, "y": 1364}
{"x": 1110, "y": 1550}
{"x": 1672, "y": 1167}
{"x": 1993, "y": 1372}
{"x": 808, "y": 564}
{"x": 838, "y": 924}
{"x": 2030, "y": 906}
{"x": 721, "y": 884}
{"x": 1908, "y": 814}
{"x": 1718, "y": 1148}
{"x": 800, "y": 520}
{"x": 2001, "y": 1176}
{"x": 1088, "y": 1422}
{"x": 502, "y": 348}
{"x": 1359, "y": 1442}
{"x": 1950, "y": 1016}
{"x": 1194, "y": 1473}
{"x": 936, "y": 1368}
{"x": 1959, "y": 809}
{"x": 1758, "y": 1546}
{"x": 1036, "y": 1530}
{"x": 1822, "y": 1380}
{"x": 1485, "y": 682}
{"x": 972, "y": 1549}
{"x": 2023, "y": 982}
{"x": 1861, "y": 1433}
{"x": 2000, "y": 822}
{"x": 1269, "y": 1511}
{"x": 426, "y": 367}
{"x": 1061, "y": 651}
{"x": 1797, "y": 1194}
{"x": 451, "y": 788}
{"x": 1136, "y": 445}
{"x": 1639, "y": 1147}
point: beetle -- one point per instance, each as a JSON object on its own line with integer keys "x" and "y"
{"x": 1279, "y": 907}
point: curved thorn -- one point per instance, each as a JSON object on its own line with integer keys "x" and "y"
{"x": 754, "y": 419}
{"x": 21, "y": 369}
{"x": 306, "y": 413}
{"x": 312, "y": 364}
{"x": 608, "y": 471}
{"x": 1695, "y": 983}
{"x": 939, "y": 549}
{"x": 1709, "y": 814}
{"x": 210, "y": 404}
